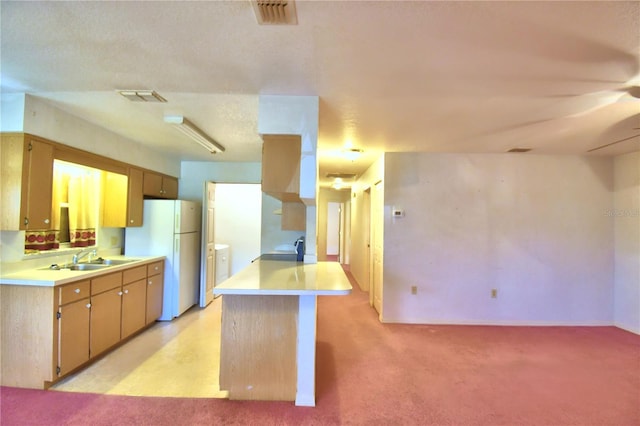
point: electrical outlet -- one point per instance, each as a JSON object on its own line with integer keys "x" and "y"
{"x": 494, "y": 293}
{"x": 414, "y": 289}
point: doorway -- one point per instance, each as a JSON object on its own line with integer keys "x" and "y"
{"x": 231, "y": 232}
{"x": 377, "y": 245}
{"x": 333, "y": 231}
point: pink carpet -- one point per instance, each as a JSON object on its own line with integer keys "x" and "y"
{"x": 374, "y": 374}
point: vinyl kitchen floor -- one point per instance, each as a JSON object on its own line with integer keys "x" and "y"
{"x": 180, "y": 358}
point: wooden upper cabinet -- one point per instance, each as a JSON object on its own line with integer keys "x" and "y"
{"x": 294, "y": 217}
{"x": 170, "y": 187}
{"x": 281, "y": 167}
{"x": 160, "y": 186}
{"x": 27, "y": 178}
{"x": 114, "y": 201}
{"x": 135, "y": 198}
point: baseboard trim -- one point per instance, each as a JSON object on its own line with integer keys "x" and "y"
{"x": 517, "y": 323}
{"x": 629, "y": 329}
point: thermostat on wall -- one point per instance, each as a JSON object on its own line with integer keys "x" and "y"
{"x": 397, "y": 212}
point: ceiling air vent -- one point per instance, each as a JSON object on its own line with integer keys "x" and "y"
{"x": 275, "y": 12}
{"x": 142, "y": 96}
{"x": 519, "y": 150}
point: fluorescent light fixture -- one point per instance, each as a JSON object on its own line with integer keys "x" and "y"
{"x": 352, "y": 154}
{"x": 191, "y": 130}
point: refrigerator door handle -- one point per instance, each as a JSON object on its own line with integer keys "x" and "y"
{"x": 176, "y": 247}
{"x": 176, "y": 226}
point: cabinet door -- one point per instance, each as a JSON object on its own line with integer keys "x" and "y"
{"x": 294, "y": 217}
{"x": 135, "y": 199}
{"x": 133, "y": 307}
{"x": 281, "y": 166}
{"x": 169, "y": 188}
{"x": 152, "y": 185}
{"x": 73, "y": 335}
{"x": 37, "y": 181}
{"x": 154, "y": 297}
{"x": 11, "y": 160}
{"x": 114, "y": 200}
{"x": 106, "y": 311}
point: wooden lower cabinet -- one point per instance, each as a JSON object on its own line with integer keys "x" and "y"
{"x": 65, "y": 327}
{"x": 133, "y": 307}
{"x": 155, "y": 291}
{"x": 73, "y": 335}
{"x": 106, "y": 311}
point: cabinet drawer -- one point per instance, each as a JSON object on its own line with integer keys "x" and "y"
{"x": 106, "y": 282}
{"x": 155, "y": 268}
{"x": 134, "y": 274}
{"x": 74, "y": 291}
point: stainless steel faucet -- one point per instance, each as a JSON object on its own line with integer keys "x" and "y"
{"x": 82, "y": 253}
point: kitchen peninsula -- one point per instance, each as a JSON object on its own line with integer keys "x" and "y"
{"x": 268, "y": 334}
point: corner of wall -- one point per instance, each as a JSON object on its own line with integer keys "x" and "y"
{"x": 626, "y": 222}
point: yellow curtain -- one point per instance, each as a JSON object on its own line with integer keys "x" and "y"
{"x": 83, "y": 193}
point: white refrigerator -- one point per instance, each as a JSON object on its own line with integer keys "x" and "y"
{"x": 171, "y": 228}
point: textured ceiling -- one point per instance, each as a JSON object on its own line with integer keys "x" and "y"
{"x": 391, "y": 76}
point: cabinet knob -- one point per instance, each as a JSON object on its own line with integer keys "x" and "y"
{"x": 156, "y": 268}
{"x": 150, "y": 282}
{"x": 88, "y": 305}
{"x": 126, "y": 292}
{"x": 46, "y": 221}
{"x": 76, "y": 291}
{"x": 131, "y": 221}
{"x": 119, "y": 293}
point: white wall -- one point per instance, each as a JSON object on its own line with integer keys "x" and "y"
{"x": 237, "y": 221}
{"x": 273, "y": 237}
{"x": 530, "y": 226}
{"x": 626, "y": 219}
{"x": 193, "y": 175}
{"x": 44, "y": 119}
{"x": 12, "y": 112}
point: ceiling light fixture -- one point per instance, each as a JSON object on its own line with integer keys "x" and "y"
{"x": 191, "y": 130}
{"x": 337, "y": 183}
{"x": 142, "y": 95}
{"x": 352, "y": 154}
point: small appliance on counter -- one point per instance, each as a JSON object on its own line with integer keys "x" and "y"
{"x": 299, "y": 245}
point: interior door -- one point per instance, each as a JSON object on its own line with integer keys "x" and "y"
{"x": 209, "y": 273}
{"x": 377, "y": 241}
{"x": 366, "y": 225}
{"x": 333, "y": 229}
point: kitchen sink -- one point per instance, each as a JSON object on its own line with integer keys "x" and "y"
{"x": 86, "y": 267}
{"x": 94, "y": 265}
{"x": 108, "y": 262}
{"x": 77, "y": 267}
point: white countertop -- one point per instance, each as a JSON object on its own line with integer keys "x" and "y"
{"x": 274, "y": 277}
{"x": 45, "y": 277}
